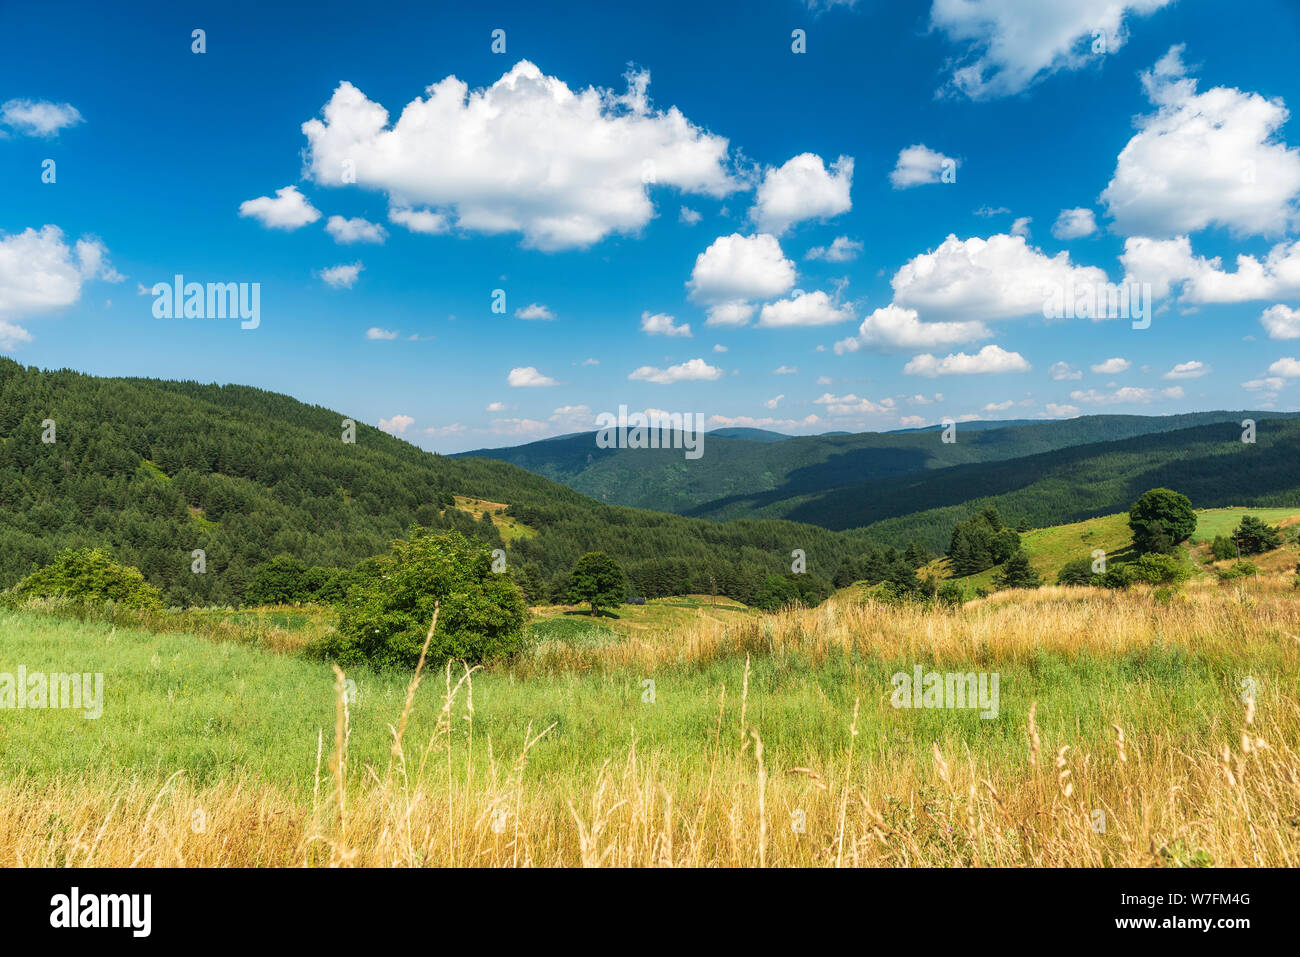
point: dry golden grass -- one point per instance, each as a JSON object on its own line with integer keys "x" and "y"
{"x": 1145, "y": 798}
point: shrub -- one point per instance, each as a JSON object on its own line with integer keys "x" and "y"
{"x": 952, "y": 594}
{"x": 385, "y": 617}
{"x": 1017, "y": 573}
{"x": 1255, "y": 536}
{"x": 1118, "y": 577}
{"x": 1237, "y": 570}
{"x": 776, "y": 592}
{"x": 1223, "y": 548}
{"x": 1076, "y": 572}
{"x": 281, "y": 581}
{"x": 90, "y": 575}
{"x": 1157, "y": 569}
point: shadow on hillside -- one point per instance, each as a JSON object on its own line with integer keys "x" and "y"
{"x": 580, "y": 613}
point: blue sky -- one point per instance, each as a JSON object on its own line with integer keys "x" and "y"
{"x": 614, "y": 167}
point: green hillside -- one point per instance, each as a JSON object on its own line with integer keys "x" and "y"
{"x": 810, "y": 478}
{"x": 156, "y": 469}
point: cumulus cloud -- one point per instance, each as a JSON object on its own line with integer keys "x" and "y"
{"x": 735, "y": 269}
{"x": 918, "y": 165}
{"x": 1063, "y": 372}
{"x": 342, "y": 276}
{"x": 660, "y": 324}
{"x": 41, "y": 272}
{"x": 1075, "y": 223}
{"x": 689, "y": 216}
{"x": 1058, "y": 411}
{"x": 374, "y": 332}
{"x": 1111, "y": 366}
{"x": 990, "y": 359}
{"x": 1010, "y": 44}
{"x": 397, "y": 425}
{"x": 1020, "y": 226}
{"x": 1170, "y": 263}
{"x": 785, "y": 370}
{"x": 1282, "y": 322}
{"x": 419, "y": 220}
{"x": 1187, "y": 370}
{"x": 841, "y": 250}
{"x": 38, "y": 117}
{"x": 565, "y": 168}
{"x": 802, "y": 189}
{"x": 535, "y": 310}
{"x": 289, "y": 209}
{"x": 892, "y": 328}
{"x": 1128, "y": 393}
{"x": 1287, "y": 368}
{"x": 804, "y": 309}
{"x": 693, "y": 370}
{"x": 1001, "y": 277}
{"x": 527, "y": 377}
{"x": 1204, "y": 159}
{"x": 355, "y": 230}
{"x": 841, "y": 405}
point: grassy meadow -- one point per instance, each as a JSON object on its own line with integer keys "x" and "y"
{"x": 685, "y": 732}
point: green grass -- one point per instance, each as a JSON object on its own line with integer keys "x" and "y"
{"x": 1223, "y": 521}
{"x": 225, "y": 710}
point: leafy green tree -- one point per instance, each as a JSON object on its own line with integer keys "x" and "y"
{"x": 1223, "y": 548}
{"x": 1017, "y": 573}
{"x": 1160, "y": 519}
{"x": 598, "y": 580}
{"x": 1154, "y": 568}
{"x": 90, "y": 575}
{"x": 777, "y": 592}
{"x": 1254, "y": 536}
{"x": 281, "y": 581}
{"x": 385, "y": 617}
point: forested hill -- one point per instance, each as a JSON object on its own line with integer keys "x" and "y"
{"x": 741, "y": 478}
{"x": 157, "y": 469}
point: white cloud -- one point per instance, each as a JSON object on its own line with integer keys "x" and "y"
{"x": 38, "y": 117}
{"x": 841, "y": 250}
{"x": 1075, "y": 223}
{"x": 773, "y": 402}
{"x": 12, "y": 335}
{"x": 1001, "y": 277}
{"x": 735, "y": 269}
{"x": 355, "y": 230}
{"x": 342, "y": 276}
{"x": 1187, "y": 370}
{"x": 1282, "y": 322}
{"x": 719, "y": 347}
{"x": 1128, "y": 393}
{"x": 397, "y": 425}
{"x": 1166, "y": 263}
{"x": 805, "y": 309}
{"x": 912, "y": 421}
{"x": 660, "y": 324}
{"x": 749, "y": 422}
{"x": 289, "y": 210}
{"x": 1204, "y": 159}
{"x": 527, "y": 377}
{"x": 893, "y": 328}
{"x": 41, "y": 272}
{"x": 1020, "y": 227}
{"x": 516, "y": 426}
{"x": 990, "y": 359}
{"x": 1111, "y": 366}
{"x": 840, "y": 405}
{"x": 1055, "y": 411}
{"x": 1287, "y": 368}
{"x": 496, "y": 407}
{"x": 918, "y": 165}
{"x": 424, "y": 221}
{"x": 535, "y": 310}
{"x": 374, "y": 332}
{"x": 694, "y": 370}
{"x": 802, "y": 189}
{"x": 1011, "y": 44}
{"x": 689, "y": 216}
{"x": 1063, "y": 371}
{"x": 565, "y": 168}
{"x": 591, "y": 362}
{"x": 785, "y": 370}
